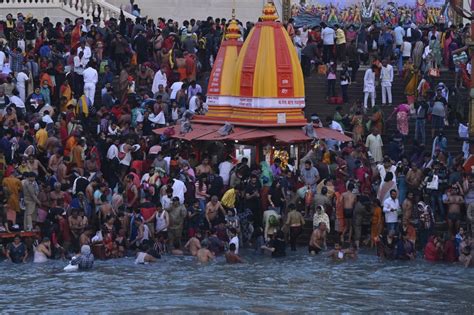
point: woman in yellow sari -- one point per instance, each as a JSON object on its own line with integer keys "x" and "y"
{"x": 412, "y": 78}
{"x": 13, "y": 186}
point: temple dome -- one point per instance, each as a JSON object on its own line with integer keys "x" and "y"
{"x": 268, "y": 79}
{"x": 221, "y": 80}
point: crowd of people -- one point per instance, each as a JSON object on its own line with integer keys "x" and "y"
{"x": 83, "y": 168}
{"x": 415, "y": 53}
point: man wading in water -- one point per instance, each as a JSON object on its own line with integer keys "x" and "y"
{"x": 348, "y": 200}
{"x": 318, "y": 239}
{"x": 204, "y": 255}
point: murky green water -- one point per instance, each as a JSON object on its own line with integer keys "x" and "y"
{"x": 262, "y": 285}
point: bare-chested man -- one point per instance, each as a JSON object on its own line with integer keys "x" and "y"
{"x": 204, "y": 167}
{"x": 414, "y": 178}
{"x": 212, "y": 211}
{"x": 204, "y": 255}
{"x": 231, "y": 257}
{"x": 105, "y": 208}
{"x": 318, "y": 239}
{"x": 407, "y": 206}
{"x": 194, "y": 245}
{"x": 76, "y": 224}
{"x": 348, "y": 201}
{"x": 454, "y": 201}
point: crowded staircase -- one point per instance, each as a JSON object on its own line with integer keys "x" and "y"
{"x": 316, "y": 103}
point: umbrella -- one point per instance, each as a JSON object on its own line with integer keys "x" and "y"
{"x": 327, "y": 133}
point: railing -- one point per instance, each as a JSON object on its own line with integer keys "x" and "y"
{"x": 96, "y": 8}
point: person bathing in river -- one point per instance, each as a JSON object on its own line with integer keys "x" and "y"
{"x": 204, "y": 255}
{"x": 231, "y": 257}
{"x": 85, "y": 260}
{"x": 143, "y": 257}
{"x": 277, "y": 246}
{"x": 194, "y": 244}
{"x": 317, "y": 241}
{"x": 340, "y": 254}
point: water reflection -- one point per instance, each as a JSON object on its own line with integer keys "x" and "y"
{"x": 262, "y": 285}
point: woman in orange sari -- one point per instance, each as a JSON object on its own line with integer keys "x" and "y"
{"x": 358, "y": 127}
{"x": 412, "y": 78}
{"x": 76, "y": 33}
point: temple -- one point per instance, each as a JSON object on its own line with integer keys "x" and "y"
{"x": 259, "y": 83}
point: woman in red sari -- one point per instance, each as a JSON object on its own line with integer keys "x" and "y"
{"x": 76, "y": 33}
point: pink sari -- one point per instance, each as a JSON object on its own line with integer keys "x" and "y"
{"x": 402, "y": 122}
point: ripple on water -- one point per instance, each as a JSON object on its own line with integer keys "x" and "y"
{"x": 262, "y": 285}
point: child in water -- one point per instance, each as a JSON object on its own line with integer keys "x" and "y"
{"x": 339, "y": 254}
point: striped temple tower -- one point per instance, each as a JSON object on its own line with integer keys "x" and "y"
{"x": 259, "y": 83}
{"x": 221, "y": 80}
{"x": 268, "y": 83}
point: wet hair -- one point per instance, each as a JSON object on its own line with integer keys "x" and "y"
{"x": 232, "y": 247}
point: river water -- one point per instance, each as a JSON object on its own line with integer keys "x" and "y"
{"x": 297, "y": 283}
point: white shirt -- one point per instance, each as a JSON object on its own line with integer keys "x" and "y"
{"x": 112, "y": 152}
{"x": 47, "y": 119}
{"x": 383, "y": 172}
{"x": 193, "y": 104}
{"x": 175, "y": 87}
{"x": 386, "y": 75}
{"x": 328, "y": 36}
{"x": 78, "y": 66}
{"x": 159, "y": 79}
{"x": 224, "y": 171}
{"x": 369, "y": 81}
{"x": 90, "y": 75}
{"x": 179, "y": 189}
{"x": 157, "y": 119}
{"x": 389, "y": 204}
{"x": 2, "y": 58}
{"x": 406, "y": 49}
{"x": 21, "y": 78}
{"x": 17, "y": 101}
{"x": 87, "y": 54}
{"x": 235, "y": 240}
{"x": 399, "y": 34}
{"x": 336, "y": 126}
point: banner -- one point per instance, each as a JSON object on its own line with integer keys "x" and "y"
{"x": 356, "y": 12}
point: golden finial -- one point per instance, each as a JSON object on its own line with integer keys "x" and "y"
{"x": 269, "y": 12}
{"x": 233, "y": 30}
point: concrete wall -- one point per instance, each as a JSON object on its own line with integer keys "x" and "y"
{"x": 180, "y": 10}
{"x": 55, "y": 14}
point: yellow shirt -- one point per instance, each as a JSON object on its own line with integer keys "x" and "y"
{"x": 41, "y": 138}
{"x": 340, "y": 37}
{"x": 228, "y": 200}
